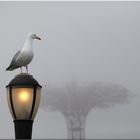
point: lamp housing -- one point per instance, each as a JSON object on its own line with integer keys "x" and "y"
{"x": 23, "y": 95}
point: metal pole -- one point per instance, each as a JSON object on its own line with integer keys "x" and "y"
{"x": 23, "y": 129}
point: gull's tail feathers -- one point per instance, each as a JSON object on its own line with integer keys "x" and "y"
{"x": 10, "y": 68}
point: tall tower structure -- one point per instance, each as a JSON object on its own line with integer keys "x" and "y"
{"x": 75, "y": 102}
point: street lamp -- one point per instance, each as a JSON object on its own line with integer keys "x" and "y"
{"x": 23, "y": 95}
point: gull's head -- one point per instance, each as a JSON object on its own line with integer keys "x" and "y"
{"x": 33, "y": 36}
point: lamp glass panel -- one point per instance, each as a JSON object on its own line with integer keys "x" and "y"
{"x": 37, "y": 102}
{"x": 9, "y": 103}
{"x": 22, "y": 102}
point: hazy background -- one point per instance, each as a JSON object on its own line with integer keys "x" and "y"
{"x": 89, "y": 41}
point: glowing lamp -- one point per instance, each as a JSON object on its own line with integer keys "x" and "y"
{"x": 23, "y": 95}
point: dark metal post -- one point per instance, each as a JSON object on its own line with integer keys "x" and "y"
{"x": 23, "y": 129}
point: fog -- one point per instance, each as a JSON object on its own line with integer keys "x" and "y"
{"x": 86, "y": 41}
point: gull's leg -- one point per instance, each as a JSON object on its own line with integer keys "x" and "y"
{"x": 21, "y": 69}
{"x": 27, "y": 69}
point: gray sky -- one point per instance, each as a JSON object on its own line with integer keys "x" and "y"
{"x": 92, "y": 41}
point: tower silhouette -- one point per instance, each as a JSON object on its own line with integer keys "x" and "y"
{"x": 75, "y": 102}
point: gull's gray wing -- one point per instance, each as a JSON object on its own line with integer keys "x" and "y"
{"x": 14, "y": 59}
{"x": 13, "y": 62}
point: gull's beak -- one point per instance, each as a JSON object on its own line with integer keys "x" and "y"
{"x": 38, "y": 38}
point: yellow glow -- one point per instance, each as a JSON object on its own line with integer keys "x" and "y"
{"x": 24, "y": 96}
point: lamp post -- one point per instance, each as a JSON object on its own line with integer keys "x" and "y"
{"x": 23, "y": 95}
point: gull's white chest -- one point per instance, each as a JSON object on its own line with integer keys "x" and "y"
{"x": 25, "y": 57}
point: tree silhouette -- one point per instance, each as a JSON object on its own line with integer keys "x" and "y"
{"x": 75, "y": 101}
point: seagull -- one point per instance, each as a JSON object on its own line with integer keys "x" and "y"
{"x": 25, "y": 55}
